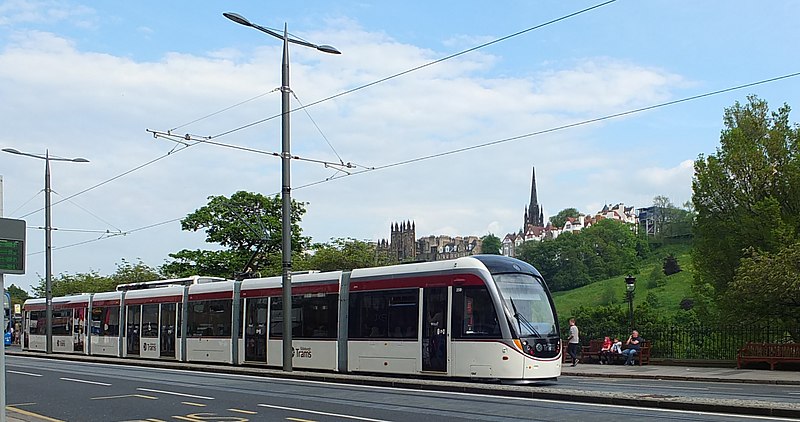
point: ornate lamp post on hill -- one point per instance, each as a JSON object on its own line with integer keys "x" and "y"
{"x": 286, "y": 212}
{"x": 630, "y": 286}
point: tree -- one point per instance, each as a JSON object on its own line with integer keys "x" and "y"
{"x": 70, "y": 284}
{"x": 671, "y": 265}
{"x": 491, "y": 244}
{"x": 747, "y": 195}
{"x": 560, "y": 219}
{"x": 767, "y": 285}
{"x": 135, "y": 273}
{"x": 344, "y": 254}
{"x": 17, "y": 294}
{"x": 249, "y": 226}
{"x": 606, "y": 249}
{"x": 92, "y": 282}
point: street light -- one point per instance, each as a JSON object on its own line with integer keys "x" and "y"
{"x": 630, "y": 286}
{"x": 286, "y": 211}
{"x": 48, "y": 248}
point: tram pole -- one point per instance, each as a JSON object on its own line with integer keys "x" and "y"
{"x": 286, "y": 199}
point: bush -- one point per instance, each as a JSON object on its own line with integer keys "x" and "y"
{"x": 656, "y": 278}
{"x": 671, "y": 265}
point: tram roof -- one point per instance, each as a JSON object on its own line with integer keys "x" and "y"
{"x": 276, "y": 282}
{"x": 419, "y": 267}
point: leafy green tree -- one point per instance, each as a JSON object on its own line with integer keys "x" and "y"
{"x": 560, "y": 219}
{"x": 248, "y": 225}
{"x": 18, "y": 295}
{"x": 614, "y": 248}
{"x": 671, "y": 265}
{"x": 606, "y": 249}
{"x": 747, "y": 194}
{"x": 767, "y": 285}
{"x": 491, "y": 244}
{"x": 344, "y": 254}
{"x": 135, "y": 273}
{"x": 70, "y": 284}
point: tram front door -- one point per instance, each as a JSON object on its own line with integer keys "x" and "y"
{"x": 434, "y": 329}
{"x": 255, "y": 330}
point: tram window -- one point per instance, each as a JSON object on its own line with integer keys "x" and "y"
{"x": 37, "y": 323}
{"x": 313, "y": 316}
{"x": 209, "y": 318}
{"x": 474, "y": 314}
{"x": 105, "y": 321}
{"x": 384, "y": 314}
{"x": 150, "y": 321}
{"x": 62, "y": 321}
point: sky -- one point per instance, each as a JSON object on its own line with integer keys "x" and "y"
{"x": 449, "y": 146}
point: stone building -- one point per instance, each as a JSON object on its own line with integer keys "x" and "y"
{"x": 403, "y": 246}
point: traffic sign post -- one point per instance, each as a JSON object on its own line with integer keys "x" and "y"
{"x": 12, "y": 261}
{"x": 12, "y": 246}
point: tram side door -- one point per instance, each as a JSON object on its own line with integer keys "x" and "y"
{"x": 255, "y": 330}
{"x": 167, "y": 328}
{"x": 133, "y": 321}
{"x": 434, "y": 329}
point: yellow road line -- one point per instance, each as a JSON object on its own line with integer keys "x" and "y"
{"x": 246, "y": 412}
{"x": 35, "y": 415}
{"x": 188, "y": 403}
{"x": 299, "y": 420}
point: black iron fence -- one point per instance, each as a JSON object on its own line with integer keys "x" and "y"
{"x": 706, "y": 343}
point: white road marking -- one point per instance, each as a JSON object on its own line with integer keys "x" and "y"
{"x": 23, "y": 373}
{"x": 104, "y": 384}
{"x": 316, "y": 412}
{"x": 176, "y": 394}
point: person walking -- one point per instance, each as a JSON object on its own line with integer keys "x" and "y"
{"x": 574, "y": 342}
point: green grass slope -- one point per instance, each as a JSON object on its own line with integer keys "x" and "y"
{"x": 673, "y": 289}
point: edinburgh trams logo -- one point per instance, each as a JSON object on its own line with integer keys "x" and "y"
{"x": 301, "y": 352}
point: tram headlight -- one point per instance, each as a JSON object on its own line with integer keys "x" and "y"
{"x": 539, "y": 347}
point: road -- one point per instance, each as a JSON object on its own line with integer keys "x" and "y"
{"x": 83, "y": 391}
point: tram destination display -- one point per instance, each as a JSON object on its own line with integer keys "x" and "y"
{"x": 12, "y": 246}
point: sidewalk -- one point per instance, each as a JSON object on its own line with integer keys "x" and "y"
{"x": 683, "y": 373}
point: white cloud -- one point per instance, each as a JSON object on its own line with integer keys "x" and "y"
{"x": 45, "y": 12}
{"x": 79, "y": 103}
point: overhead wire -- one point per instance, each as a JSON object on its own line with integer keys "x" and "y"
{"x": 563, "y": 127}
{"x": 422, "y": 66}
{"x": 506, "y": 140}
{"x": 113, "y": 178}
{"x": 207, "y": 139}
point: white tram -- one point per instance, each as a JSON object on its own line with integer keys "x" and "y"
{"x": 485, "y": 316}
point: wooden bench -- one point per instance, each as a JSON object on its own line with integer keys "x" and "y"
{"x": 771, "y": 353}
{"x": 593, "y": 351}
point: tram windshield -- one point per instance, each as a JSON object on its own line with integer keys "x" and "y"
{"x": 527, "y": 299}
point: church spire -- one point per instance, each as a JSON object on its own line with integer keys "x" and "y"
{"x": 534, "y": 214}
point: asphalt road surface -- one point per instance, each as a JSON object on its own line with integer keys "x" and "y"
{"x": 80, "y": 391}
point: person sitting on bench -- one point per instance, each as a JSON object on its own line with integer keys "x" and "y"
{"x": 632, "y": 347}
